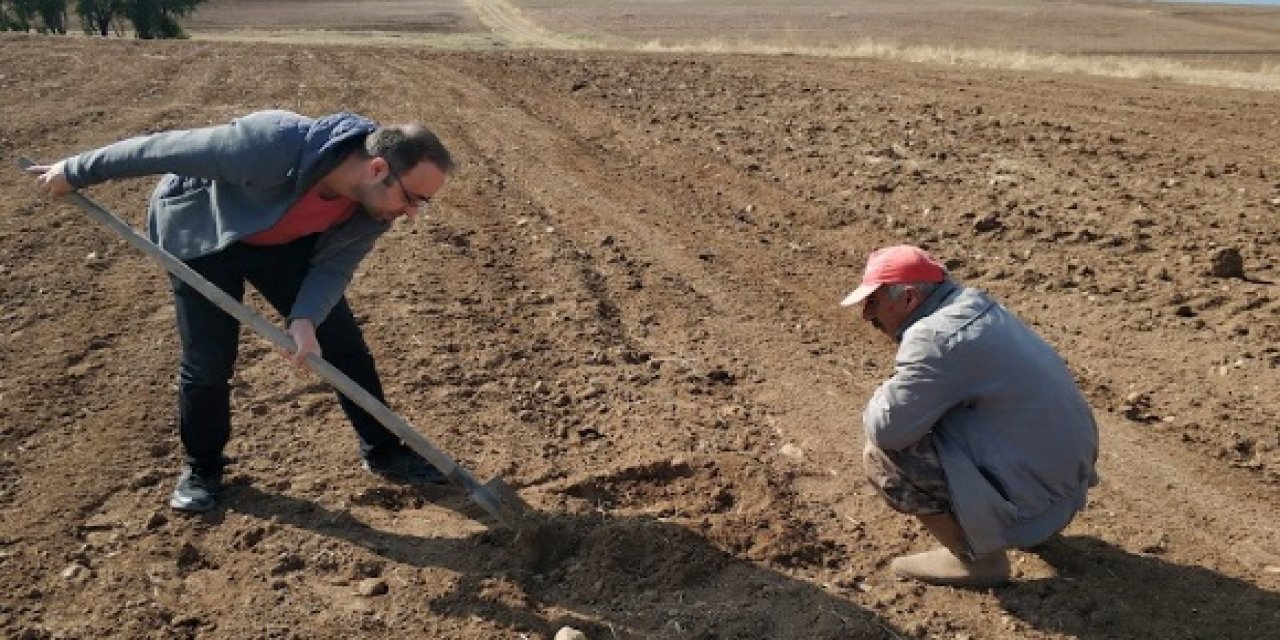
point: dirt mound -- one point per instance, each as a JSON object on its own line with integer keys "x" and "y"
{"x": 625, "y": 305}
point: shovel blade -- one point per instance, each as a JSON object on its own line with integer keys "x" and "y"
{"x": 543, "y": 542}
{"x": 496, "y": 497}
{"x": 506, "y": 504}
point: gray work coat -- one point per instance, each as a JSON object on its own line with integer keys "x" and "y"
{"x": 1015, "y": 436}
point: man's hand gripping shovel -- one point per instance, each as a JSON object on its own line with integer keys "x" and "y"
{"x": 495, "y": 496}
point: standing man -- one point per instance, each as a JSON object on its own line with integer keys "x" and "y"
{"x": 981, "y": 433}
{"x": 289, "y": 204}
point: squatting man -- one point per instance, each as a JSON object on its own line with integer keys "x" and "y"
{"x": 290, "y": 205}
{"x": 981, "y": 433}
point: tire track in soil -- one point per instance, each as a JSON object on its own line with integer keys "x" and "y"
{"x": 64, "y": 380}
{"x": 591, "y": 273}
{"x": 1131, "y": 464}
{"x": 570, "y": 274}
{"x": 1224, "y": 499}
{"x": 579, "y": 189}
{"x": 507, "y": 21}
{"x": 566, "y": 186}
{"x": 126, "y": 439}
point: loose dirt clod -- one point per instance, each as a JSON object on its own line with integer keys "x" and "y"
{"x": 544, "y": 542}
{"x": 1227, "y": 263}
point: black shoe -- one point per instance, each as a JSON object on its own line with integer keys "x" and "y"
{"x": 403, "y": 466}
{"x": 197, "y": 490}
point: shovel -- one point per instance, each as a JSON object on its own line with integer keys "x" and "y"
{"x": 495, "y": 496}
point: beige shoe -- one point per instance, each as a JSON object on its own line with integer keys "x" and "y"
{"x": 940, "y": 566}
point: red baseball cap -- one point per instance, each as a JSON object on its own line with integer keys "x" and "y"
{"x": 896, "y": 265}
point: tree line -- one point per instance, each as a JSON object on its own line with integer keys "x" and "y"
{"x": 150, "y": 18}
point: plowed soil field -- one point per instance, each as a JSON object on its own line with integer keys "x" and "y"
{"x": 625, "y": 305}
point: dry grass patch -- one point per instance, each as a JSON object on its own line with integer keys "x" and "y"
{"x": 1266, "y": 78}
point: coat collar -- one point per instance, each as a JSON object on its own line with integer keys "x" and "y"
{"x": 939, "y": 296}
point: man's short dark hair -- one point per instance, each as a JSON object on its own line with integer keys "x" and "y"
{"x": 403, "y": 146}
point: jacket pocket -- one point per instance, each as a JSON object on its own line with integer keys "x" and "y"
{"x": 183, "y": 224}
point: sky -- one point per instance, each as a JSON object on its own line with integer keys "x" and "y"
{"x": 1262, "y": 2}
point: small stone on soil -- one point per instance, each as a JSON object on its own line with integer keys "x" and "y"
{"x": 569, "y": 633}
{"x": 371, "y": 587}
{"x": 76, "y": 572}
{"x": 792, "y": 451}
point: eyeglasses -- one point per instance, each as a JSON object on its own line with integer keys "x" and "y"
{"x": 413, "y": 200}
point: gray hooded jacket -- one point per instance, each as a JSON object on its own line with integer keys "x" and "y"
{"x": 1015, "y": 436}
{"x": 230, "y": 181}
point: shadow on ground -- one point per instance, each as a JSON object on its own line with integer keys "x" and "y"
{"x": 638, "y": 577}
{"x": 1103, "y": 591}
{"x": 621, "y": 577}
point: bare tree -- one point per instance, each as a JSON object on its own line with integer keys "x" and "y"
{"x": 97, "y": 16}
{"x": 17, "y": 15}
{"x": 150, "y": 18}
{"x": 159, "y": 18}
{"x": 53, "y": 16}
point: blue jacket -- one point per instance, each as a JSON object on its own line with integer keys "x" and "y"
{"x": 1015, "y": 436}
{"x": 229, "y": 181}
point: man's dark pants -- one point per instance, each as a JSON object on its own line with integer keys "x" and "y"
{"x": 210, "y": 340}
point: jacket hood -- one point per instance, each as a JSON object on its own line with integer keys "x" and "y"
{"x": 327, "y": 136}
